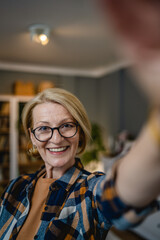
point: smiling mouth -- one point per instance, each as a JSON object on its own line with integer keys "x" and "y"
{"x": 60, "y": 149}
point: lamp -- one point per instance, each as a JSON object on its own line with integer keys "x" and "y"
{"x": 40, "y": 33}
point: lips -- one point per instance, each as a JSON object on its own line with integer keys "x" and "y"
{"x": 56, "y": 150}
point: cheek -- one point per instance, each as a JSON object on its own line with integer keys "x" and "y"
{"x": 40, "y": 147}
{"x": 75, "y": 143}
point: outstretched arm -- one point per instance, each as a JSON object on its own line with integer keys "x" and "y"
{"x": 138, "y": 173}
{"x": 136, "y": 23}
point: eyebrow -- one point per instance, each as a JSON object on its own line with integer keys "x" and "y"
{"x": 61, "y": 122}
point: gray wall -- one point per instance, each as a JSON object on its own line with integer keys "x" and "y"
{"x": 113, "y": 101}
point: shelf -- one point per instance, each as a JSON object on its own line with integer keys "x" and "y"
{"x": 13, "y": 143}
{"x": 4, "y": 151}
{"x": 4, "y": 131}
{"x": 2, "y": 115}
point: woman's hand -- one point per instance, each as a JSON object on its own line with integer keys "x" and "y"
{"x": 137, "y": 23}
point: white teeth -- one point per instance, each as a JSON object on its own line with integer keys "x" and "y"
{"x": 57, "y": 149}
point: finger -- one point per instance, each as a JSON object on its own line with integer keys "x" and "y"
{"x": 137, "y": 21}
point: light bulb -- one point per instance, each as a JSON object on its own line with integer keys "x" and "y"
{"x": 43, "y": 39}
{"x": 40, "y": 33}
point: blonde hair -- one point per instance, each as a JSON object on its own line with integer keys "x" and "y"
{"x": 67, "y": 100}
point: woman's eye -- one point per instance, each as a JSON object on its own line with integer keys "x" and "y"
{"x": 43, "y": 128}
{"x": 67, "y": 125}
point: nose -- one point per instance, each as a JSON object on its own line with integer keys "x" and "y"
{"x": 56, "y": 137}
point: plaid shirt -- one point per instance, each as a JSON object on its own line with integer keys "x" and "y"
{"x": 80, "y": 205}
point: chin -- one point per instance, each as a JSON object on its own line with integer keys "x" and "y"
{"x": 57, "y": 162}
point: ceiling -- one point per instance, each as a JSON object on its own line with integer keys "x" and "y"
{"x": 80, "y": 42}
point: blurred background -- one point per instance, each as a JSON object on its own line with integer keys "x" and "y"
{"x": 66, "y": 44}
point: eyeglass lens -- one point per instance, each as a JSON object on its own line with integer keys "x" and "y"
{"x": 44, "y": 133}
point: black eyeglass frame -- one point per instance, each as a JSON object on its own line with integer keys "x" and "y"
{"x": 56, "y": 128}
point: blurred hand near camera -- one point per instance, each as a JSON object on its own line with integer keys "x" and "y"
{"x": 137, "y": 23}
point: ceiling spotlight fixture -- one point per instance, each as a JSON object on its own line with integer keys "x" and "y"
{"x": 40, "y": 33}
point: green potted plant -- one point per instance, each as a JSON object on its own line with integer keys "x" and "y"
{"x": 95, "y": 146}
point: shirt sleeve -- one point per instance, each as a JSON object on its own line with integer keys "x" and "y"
{"x": 122, "y": 216}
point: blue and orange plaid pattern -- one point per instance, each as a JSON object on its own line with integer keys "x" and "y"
{"x": 80, "y": 205}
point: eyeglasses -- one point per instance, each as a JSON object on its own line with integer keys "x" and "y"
{"x": 66, "y": 130}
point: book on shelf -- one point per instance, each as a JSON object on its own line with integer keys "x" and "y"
{"x": 4, "y": 123}
{"x": 4, "y": 109}
{"x": 4, "y": 143}
{"x": 5, "y": 158}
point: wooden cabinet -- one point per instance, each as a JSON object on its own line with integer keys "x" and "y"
{"x": 14, "y": 159}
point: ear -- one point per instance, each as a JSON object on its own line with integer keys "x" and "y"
{"x": 33, "y": 140}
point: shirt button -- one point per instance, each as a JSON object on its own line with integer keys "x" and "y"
{"x": 46, "y": 208}
{"x": 36, "y": 236}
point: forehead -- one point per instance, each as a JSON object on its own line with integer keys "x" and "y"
{"x": 48, "y": 110}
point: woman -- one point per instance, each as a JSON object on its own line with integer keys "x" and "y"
{"x": 62, "y": 200}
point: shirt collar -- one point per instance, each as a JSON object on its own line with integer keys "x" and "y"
{"x": 66, "y": 181}
{"x": 70, "y": 177}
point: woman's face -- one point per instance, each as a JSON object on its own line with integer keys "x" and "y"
{"x": 58, "y": 152}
